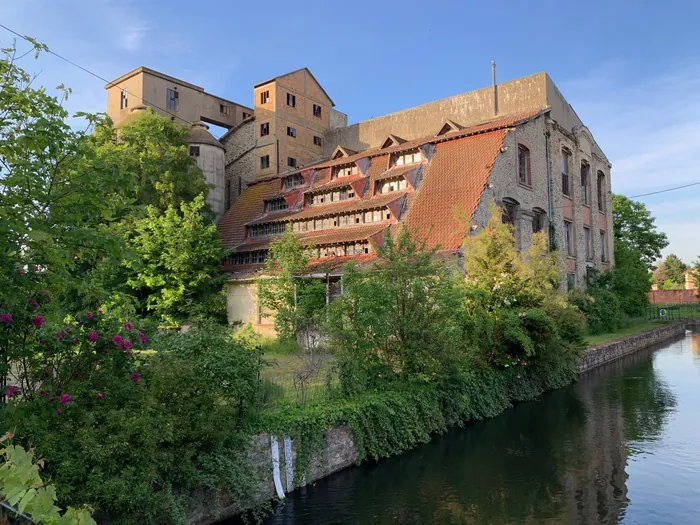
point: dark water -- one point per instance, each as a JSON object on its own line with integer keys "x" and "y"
{"x": 620, "y": 446}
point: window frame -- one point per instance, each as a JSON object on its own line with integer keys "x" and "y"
{"x": 224, "y": 109}
{"x": 172, "y": 99}
{"x": 291, "y": 162}
{"x": 264, "y": 97}
{"x": 291, "y": 132}
{"x": 318, "y": 141}
{"x": 524, "y": 150}
{"x": 569, "y": 244}
{"x": 264, "y": 129}
{"x": 587, "y": 241}
{"x": 124, "y": 98}
{"x": 265, "y": 162}
{"x": 194, "y": 151}
{"x": 585, "y": 184}
{"x": 603, "y": 246}
{"x": 601, "y": 189}
{"x": 565, "y": 169}
{"x": 291, "y": 97}
{"x": 317, "y": 110}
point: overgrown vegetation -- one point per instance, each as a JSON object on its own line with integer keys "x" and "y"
{"x": 619, "y": 294}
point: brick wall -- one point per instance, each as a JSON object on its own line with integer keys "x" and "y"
{"x": 673, "y": 296}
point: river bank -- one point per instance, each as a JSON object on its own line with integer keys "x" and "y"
{"x": 276, "y": 458}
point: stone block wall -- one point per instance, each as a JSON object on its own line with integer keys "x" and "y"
{"x": 599, "y": 355}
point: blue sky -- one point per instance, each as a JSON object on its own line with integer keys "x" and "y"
{"x": 631, "y": 69}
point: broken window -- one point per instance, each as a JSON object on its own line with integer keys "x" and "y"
{"x": 565, "y": 159}
{"x": 172, "y": 99}
{"x": 317, "y": 111}
{"x": 124, "y": 99}
{"x": 264, "y": 97}
{"x": 264, "y": 129}
{"x": 585, "y": 182}
{"x": 291, "y": 100}
{"x": 292, "y": 132}
{"x": 601, "y": 191}
{"x": 194, "y": 151}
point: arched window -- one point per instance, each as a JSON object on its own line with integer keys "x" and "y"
{"x": 585, "y": 183}
{"x": 601, "y": 191}
{"x": 538, "y": 219}
{"x": 510, "y": 211}
{"x": 524, "y": 175}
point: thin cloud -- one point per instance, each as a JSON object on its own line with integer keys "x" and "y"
{"x": 132, "y": 37}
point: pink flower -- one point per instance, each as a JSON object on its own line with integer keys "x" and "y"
{"x": 11, "y": 391}
{"x": 92, "y": 337}
{"x": 507, "y": 356}
{"x": 52, "y": 397}
{"x": 42, "y": 393}
{"x": 135, "y": 377}
{"x": 104, "y": 350}
{"x": 34, "y": 304}
{"x": 126, "y": 344}
{"x": 118, "y": 340}
{"x": 61, "y": 334}
{"x": 143, "y": 339}
{"x": 100, "y": 395}
{"x": 65, "y": 399}
{"x": 74, "y": 341}
{"x": 19, "y": 272}
{"x": 128, "y": 326}
{"x": 59, "y": 411}
{"x": 89, "y": 316}
{"x": 38, "y": 321}
{"x": 141, "y": 331}
{"x": 5, "y": 318}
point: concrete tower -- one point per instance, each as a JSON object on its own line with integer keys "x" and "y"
{"x": 209, "y": 154}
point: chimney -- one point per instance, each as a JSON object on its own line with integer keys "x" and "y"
{"x": 495, "y": 88}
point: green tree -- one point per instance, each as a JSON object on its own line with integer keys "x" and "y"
{"x": 398, "y": 318}
{"x": 176, "y": 270}
{"x": 670, "y": 274}
{"x": 286, "y": 292}
{"x": 151, "y": 151}
{"x": 634, "y": 227}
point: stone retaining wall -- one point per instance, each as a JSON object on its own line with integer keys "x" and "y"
{"x": 601, "y": 354}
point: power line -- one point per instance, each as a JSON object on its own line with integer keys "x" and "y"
{"x": 93, "y": 73}
{"x": 664, "y": 191}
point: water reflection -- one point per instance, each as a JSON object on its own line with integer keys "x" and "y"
{"x": 563, "y": 459}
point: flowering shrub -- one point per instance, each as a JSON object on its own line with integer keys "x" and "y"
{"x": 131, "y": 434}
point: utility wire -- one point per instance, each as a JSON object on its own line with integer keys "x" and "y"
{"x": 664, "y": 191}
{"x": 93, "y": 74}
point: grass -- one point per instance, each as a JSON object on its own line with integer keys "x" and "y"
{"x": 637, "y": 326}
{"x": 286, "y": 364}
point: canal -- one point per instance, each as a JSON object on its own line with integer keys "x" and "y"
{"x": 620, "y": 446}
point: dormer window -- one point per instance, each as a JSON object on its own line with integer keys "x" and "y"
{"x": 392, "y": 185}
{"x": 292, "y": 181}
{"x": 346, "y": 170}
{"x": 407, "y": 157}
{"x": 276, "y": 205}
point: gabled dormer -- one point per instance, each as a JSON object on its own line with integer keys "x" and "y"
{"x": 448, "y": 127}
{"x": 341, "y": 152}
{"x": 391, "y": 140}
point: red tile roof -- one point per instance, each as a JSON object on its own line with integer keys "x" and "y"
{"x": 249, "y": 206}
{"x": 452, "y": 187}
{"x": 334, "y": 208}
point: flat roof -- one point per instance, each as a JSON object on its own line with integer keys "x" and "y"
{"x": 153, "y": 72}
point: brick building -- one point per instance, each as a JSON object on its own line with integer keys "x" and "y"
{"x": 294, "y": 162}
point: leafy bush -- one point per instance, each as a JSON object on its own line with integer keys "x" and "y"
{"x": 22, "y": 487}
{"x": 140, "y": 441}
{"x": 601, "y": 307}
